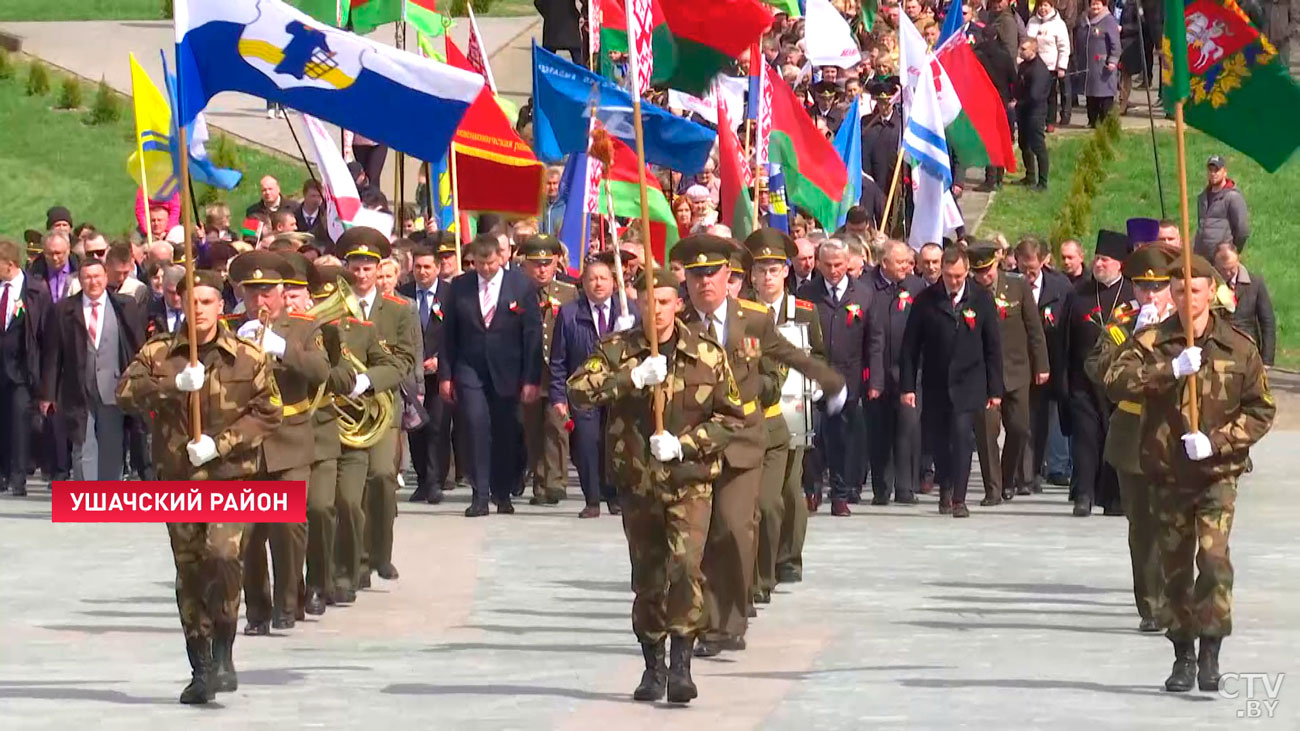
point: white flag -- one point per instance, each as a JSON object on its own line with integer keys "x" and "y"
{"x": 917, "y": 63}
{"x": 733, "y": 88}
{"x": 828, "y": 37}
{"x": 341, "y": 198}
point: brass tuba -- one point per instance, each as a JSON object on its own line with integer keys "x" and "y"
{"x": 363, "y": 420}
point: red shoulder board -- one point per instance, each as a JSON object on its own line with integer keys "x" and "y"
{"x": 232, "y": 317}
{"x": 302, "y": 316}
{"x": 367, "y": 323}
{"x": 804, "y": 304}
{"x": 394, "y": 298}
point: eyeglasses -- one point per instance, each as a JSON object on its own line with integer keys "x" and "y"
{"x": 98, "y": 253}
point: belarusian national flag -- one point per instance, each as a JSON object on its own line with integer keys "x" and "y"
{"x": 711, "y": 35}
{"x": 1233, "y": 84}
{"x": 625, "y": 188}
{"x": 815, "y": 177}
{"x": 613, "y": 39}
{"x": 980, "y": 134}
{"x": 735, "y": 208}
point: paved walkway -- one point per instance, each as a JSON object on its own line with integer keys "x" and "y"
{"x": 1020, "y": 617}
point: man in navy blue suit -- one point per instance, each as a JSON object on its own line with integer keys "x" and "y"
{"x": 431, "y": 443}
{"x": 491, "y": 360}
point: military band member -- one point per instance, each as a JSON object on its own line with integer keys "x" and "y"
{"x": 1024, "y": 363}
{"x": 1194, "y": 467}
{"x": 299, "y": 367}
{"x": 397, "y": 328}
{"x": 1147, "y": 269}
{"x": 236, "y": 400}
{"x": 544, "y": 433}
{"x": 783, "y": 514}
{"x": 755, "y": 353}
{"x": 664, "y": 479}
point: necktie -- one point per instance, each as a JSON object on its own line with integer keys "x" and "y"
{"x": 486, "y": 305}
{"x": 955, "y": 295}
{"x": 173, "y": 319}
{"x": 424, "y": 308}
{"x": 92, "y": 326}
{"x": 602, "y": 323}
{"x": 365, "y": 310}
{"x": 4, "y": 307}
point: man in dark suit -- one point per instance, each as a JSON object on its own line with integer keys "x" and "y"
{"x": 431, "y": 443}
{"x": 1050, "y": 290}
{"x": 491, "y": 359}
{"x": 895, "y": 445}
{"x": 55, "y": 271}
{"x": 311, "y": 215}
{"x": 1253, "y": 311}
{"x": 1024, "y": 363}
{"x": 803, "y": 267}
{"x": 24, "y": 307}
{"x": 952, "y": 338}
{"x": 92, "y": 337}
{"x": 842, "y": 310}
{"x": 166, "y": 315}
{"x": 579, "y": 327}
{"x": 271, "y": 200}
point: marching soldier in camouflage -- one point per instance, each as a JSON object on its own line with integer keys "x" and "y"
{"x": 544, "y": 435}
{"x": 293, "y": 345}
{"x": 236, "y": 399}
{"x": 664, "y": 480}
{"x": 1194, "y": 468}
{"x": 398, "y": 328}
{"x": 1147, "y": 268}
{"x": 756, "y": 354}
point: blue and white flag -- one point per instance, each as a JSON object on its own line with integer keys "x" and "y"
{"x": 270, "y": 50}
{"x": 848, "y": 143}
{"x": 202, "y": 170}
{"x": 929, "y": 105}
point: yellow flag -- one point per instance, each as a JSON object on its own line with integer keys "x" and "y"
{"x": 151, "y": 164}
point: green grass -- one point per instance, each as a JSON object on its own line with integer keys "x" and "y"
{"x": 81, "y": 10}
{"x": 1130, "y": 190}
{"x": 50, "y": 157}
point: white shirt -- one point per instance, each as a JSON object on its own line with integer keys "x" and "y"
{"x": 100, "y": 305}
{"x": 837, "y": 290}
{"x": 719, "y": 320}
{"x": 368, "y": 302}
{"x": 493, "y": 291}
{"x": 1037, "y": 286}
{"x": 960, "y": 293}
{"x": 15, "y": 294}
{"x": 774, "y": 308}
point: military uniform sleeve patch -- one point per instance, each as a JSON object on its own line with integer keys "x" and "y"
{"x": 754, "y": 306}
{"x": 804, "y": 304}
{"x": 593, "y": 364}
{"x": 1117, "y": 334}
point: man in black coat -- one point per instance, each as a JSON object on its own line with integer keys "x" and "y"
{"x": 490, "y": 360}
{"x": 952, "y": 339}
{"x": 1253, "y": 312}
{"x": 1094, "y": 303}
{"x": 895, "y": 444}
{"x": 1050, "y": 290}
{"x": 24, "y": 309}
{"x": 91, "y": 338}
{"x": 431, "y": 443}
{"x": 882, "y": 135}
{"x": 1001, "y": 68}
{"x": 1033, "y": 89}
{"x": 562, "y": 29}
{"x": 842, "y": 309}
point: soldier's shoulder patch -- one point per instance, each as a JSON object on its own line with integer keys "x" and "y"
{"x": 232, "y": 317}
{"x": 395, "y": 298}
{"x": 804, "y": 304}
{"x": 1117, "y": 334}
{"x": 753, "y": 306}
{"x": 565, "y": 287}
{"x": 355, "y": 321}
{"x": 593, "y": 364}
{"x": 302, "y": 316}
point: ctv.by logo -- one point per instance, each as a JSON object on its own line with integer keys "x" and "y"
{"x": 1259, "y": 691}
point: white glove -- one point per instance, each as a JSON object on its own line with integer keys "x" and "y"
{"x": 202, "y": 451}
{"x": 665, "y": 447}
{"x": 1149, "y": 315}
{"x": 190, "y": 378}
{"x": 1197, "y": 446}
{"x": 836, "y": 402}
{"x": 248, "y": 330}
{"x": 272, "y": 343}
{"x": 650, "y": 372}
{"x": 1187, "y": 362}
{"x": 817, "y": 393}
{"x": 623, "y": 322}
{"x": 362, "y": 385}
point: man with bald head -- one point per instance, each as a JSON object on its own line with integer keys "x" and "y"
{"x": 802, "y": 267}
{"x": 271, "y": 200}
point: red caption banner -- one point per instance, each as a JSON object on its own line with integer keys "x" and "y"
{"x": 179, "y": 502}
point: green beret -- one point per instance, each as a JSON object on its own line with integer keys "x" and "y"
{"x": 982, "y": 255}
{"x": 363, "y": 241}
{"x": 663, "y": 278}
{"x": 259, "y": 266}
{"x": 202, "y": 278}
{"x": 1201, "y": 267}
{"x": 770, "y": 244}
{"x": 1149, "y": 264}
{"x": 541, "y": 247}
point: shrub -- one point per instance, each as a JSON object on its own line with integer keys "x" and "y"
{"x": 458, "y": 7}
{"x": 166, "y": 9}
{"x": 6, "y": 65}
{"x": 70, "y": 95}
{"x": 223, "y": 153}
{"x": 38, "y": 79}
{"x": 107, "y": 107}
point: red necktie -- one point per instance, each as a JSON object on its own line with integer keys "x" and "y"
{"x": 93, "y": 325}
{"x": 4, "y": 307}
{"x": 490, "y": 307}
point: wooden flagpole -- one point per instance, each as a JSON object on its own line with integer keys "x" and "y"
{"x": 400, "y": 39}
{"x": 893, "y": 189}
{"x": 191, "y": 333}
{"x": 1180, "y": 131}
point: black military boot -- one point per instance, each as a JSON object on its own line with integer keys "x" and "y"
{"x": 654, "y": 680}
{"x": 200, "y": 689}
{"x": 1207, "y": 664}
{"x": 1184, "y": 673}
{"x": 681, "y": 689}
{"x": 223, "y": 658}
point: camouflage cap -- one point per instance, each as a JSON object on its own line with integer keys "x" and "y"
{"x": 703, "y": 254}
{"x": 259, "y": 267}
{"x": 1201, "y": 268}
{"x": 663, "y": 278}
{"x": 202, "y": 278}
{"x": 983, "y": 254}
{"x": 1149, "y": 264}
{"x": 541, "y": 247}
{"x": 771, "y": 244}
{"x": 363, "y": 241}
{"x": 299, "y": 272}
{"x": 323, "y": 279}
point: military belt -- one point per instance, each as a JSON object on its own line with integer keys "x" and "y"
{"x": 750, "y": 407}
{"x": 298, "y": 408}
{"x": 1130, "y": 407}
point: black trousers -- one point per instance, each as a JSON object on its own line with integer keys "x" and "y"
{"x": 587, "y": 447}
{"x": 1033, "y": 142}
{"x": 895, "y": 447}
{"x": 55, "y": 448}
{"x": 1040, "y": 415}
{"x": 16, "y": 419}
{"x": 494, "y": 438}
{"x": 137, "y": 447}
{"x": 841, "y": 453}
{"x": 952, "y": 435}
{"x": 1093, "y": 480}
{"x": 371, "y": 158}
{"x": 431, "y": 443}
{"x": 1099, "y": 108}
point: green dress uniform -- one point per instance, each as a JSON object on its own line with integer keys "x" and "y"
{"x": 1194, "y": 500}
{"x": 665, "y": 506}
{"x": 546, "y": 440}
{"x": 1144, "y": 267}
{"x": 322, "y": 486}
{"x": 238, "y": 410}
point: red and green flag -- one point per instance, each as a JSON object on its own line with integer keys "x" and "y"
{"x": 613, "y": 39}
{"x": 735, "y": 208}
{"x": 1230, "y": 79}
{"x": 711, "y": 35}
{"x": 815, "y": 177}
{"x": 625, "y": 189}
{"x": 368, "y": 15}
{"x": 980, "y": 135}
{"x": 330, "y": 12}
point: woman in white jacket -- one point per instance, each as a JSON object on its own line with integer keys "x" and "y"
{"x": 1053, "y": 38}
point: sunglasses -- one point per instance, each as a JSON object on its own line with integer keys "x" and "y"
{"x": 97, "y": 253}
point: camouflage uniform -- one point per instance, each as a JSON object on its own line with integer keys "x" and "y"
{"x": 1194, "y": 501}
{"x": 238, "y": 413}
{"x": 546, "y": 440}
{"x": 665, "y": 506}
